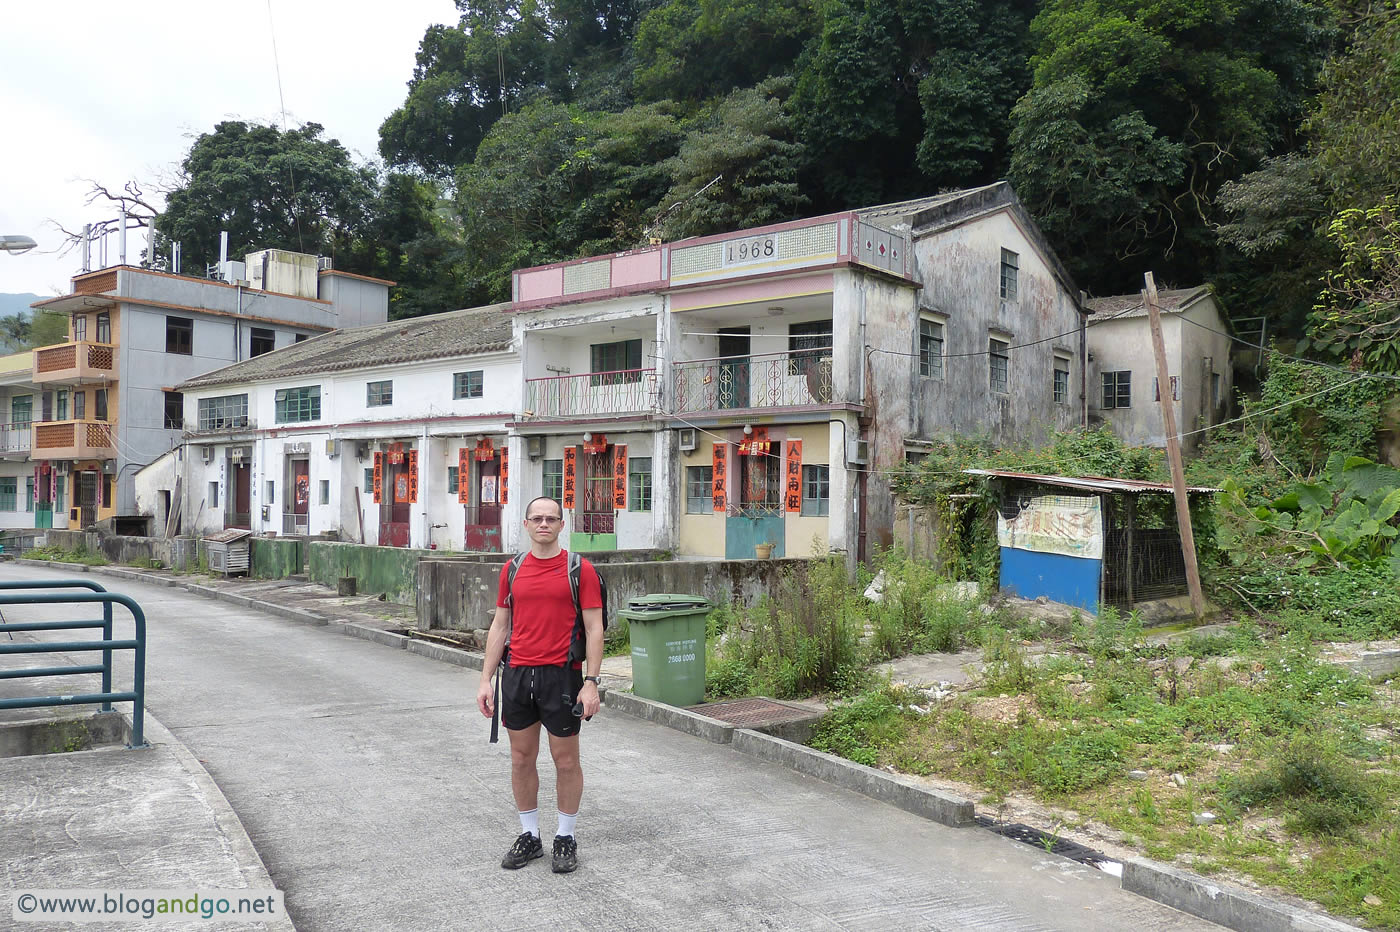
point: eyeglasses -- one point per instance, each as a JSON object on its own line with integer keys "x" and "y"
{"x": 543, "y": 519}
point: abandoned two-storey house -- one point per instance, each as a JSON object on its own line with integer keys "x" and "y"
{"x": 753, "y": 390}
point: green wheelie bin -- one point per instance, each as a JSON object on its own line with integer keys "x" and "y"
{"x": 668, "y": 647}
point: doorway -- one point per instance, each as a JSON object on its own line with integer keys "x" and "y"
{"x": 734, "y": 367}
{"x": 395, "y": 500}
{"x": 483, "y": 514}
{"x": 596, "y": 528}
{"x": 87, "y": 498}
{"x": 298, "y": 519}
{"x": 240, "y": 501}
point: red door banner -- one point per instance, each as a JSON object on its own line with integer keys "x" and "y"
{"x": 505, "y": 474}
{"x": 378, "y": 476}
{"x": 720, "y": 461}
{"x": 620, "y": 477}
{"x": 792, "y": 481}
{"x": 570, "y": 473}
{"x": 464, "y": 472}
{"x": 413, "y": 476}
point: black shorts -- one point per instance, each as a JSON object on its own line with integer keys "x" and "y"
{"x": 541, "y": 694}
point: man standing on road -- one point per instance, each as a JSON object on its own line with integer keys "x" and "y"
{"x": 540, "y": 686}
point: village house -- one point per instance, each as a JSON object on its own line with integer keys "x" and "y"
{"x": 392, "y": 434}
{"x": 22, "y": 503}
{"x": 107, "y": 403}
{"x": 751, "y": 391}
{"x": 1123, "y": 368}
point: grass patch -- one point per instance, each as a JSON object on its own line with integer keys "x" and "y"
{"x": 63, "y": 555}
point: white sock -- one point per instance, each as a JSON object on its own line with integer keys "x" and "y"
{"x": 530, "y": 822}
{"x": 566, "y": 824}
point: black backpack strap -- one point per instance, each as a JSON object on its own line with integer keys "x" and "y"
{"x": 511, "y": 570}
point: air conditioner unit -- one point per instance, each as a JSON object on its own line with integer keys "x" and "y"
{"x": 207, "y": 453}
{"x": 332, "y": 447}
{"x": 64, "y": 467}
{"x": 686, "y": 439}
{"x": 534, "y": 447}
{"x": 361, "y": 450}
{"x": 325, "y": 263}
{"x": 857, "y": 452}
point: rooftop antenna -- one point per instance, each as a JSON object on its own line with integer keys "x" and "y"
{"x": 87, "y": 247}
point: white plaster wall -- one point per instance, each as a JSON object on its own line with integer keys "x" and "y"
{"x": 1126, "y": 344}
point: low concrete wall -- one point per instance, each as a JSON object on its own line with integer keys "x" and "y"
{"x": 390, "y": 571}
{"x": 277, "y": 557}
{"x": 461, "y": 594}
{"x": 173, "y": 553}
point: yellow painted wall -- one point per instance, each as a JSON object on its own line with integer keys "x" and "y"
{"x": 699, "y": 535}
{"x": 801, "y": 532}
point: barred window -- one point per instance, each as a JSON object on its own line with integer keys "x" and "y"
{"x": 999, "y": 364}
{"x": 295, "y": 405}
{"x": 639, "y": 483}
{"x": 807, "y": 344}
{"x": 468, "y": 384}
{"x": 7, "y": 493}
{"x": 1118, "y": 389}
{"x": 226, "y": 412}
{"x": 699, "y": 490}
{"x": 553, "y": 480}
{"x": 930, "y": 347}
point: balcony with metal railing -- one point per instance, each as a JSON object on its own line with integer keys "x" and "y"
{"x": 592, "y": 394}
{"x": 774, "y": 380}
{"x": 16, "y": 438}
{"x": 74, "y": 440}
{"x": 75, "y": 363}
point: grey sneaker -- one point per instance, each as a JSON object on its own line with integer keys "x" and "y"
{"x": 565, "y": 854}
{"x": 526, "y": 848}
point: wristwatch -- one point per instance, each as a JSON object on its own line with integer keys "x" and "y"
{"x": 596, "y": 681}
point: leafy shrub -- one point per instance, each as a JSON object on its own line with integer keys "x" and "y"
{"x": 1322, "y": 792}
{"x": 917, "y": 611}
{"x": 860, "y": 729}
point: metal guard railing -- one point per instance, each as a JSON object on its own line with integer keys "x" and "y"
{"x": 98, "y": 596}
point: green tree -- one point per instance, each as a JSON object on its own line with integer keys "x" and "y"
{"x": 268, "y": 189}
{"x": 1158, "y": 103}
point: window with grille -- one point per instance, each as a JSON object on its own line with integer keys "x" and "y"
{"x": 226, "y": 412}
{"x": 999, "y": 364}
{"x": 295, "y": 405}
{"x": 930, "y": 347}
{"x": 639, "y": 483}
{"x": 1061, "y": 382}
{"x": 816, "y": 490}
{"x": 174, "y": 411}
{"x": 1118, "y": 389}
{"x": 1157, "y": 390}
{"x": 7, "y": 493}
{"x": 699, "y": 490}
{"x": 616, "y": 363}
{"x": 179, "y": 335}
{"x": 451, "y": 480}
{"x": 553, "y": 480}
{"x": 760, "y": 490}
{"x": 1010, "y": 269}
{"x": 104, "y": 327}
{"x": 79, "y": 327}
{"x": 261, "y": 341}
{"x": 807, "y": 344}
{"x": 21, "y": 411}
{"x": 379, "y": 394}
{"x": 468, "y": 384}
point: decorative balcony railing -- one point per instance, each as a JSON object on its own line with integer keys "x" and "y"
{"x": 16, "y": 438}
{"x": 592, "y": 394}
{"x": 75, "y": 362}
{"x": 73, "y": 440}
{"x": 775, "y": 380}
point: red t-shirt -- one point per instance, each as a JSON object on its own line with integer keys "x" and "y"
{"x": 542, "y": 613}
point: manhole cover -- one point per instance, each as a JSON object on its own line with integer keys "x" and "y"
{"x": 748, "y": 712}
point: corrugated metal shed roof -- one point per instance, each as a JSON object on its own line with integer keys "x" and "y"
{"x": 435, "y": 336}
{"x": 228, "y": 536}
{"x": 1090, "y": 483}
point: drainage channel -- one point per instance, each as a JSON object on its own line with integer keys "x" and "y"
{"x": 1053, "y": 844}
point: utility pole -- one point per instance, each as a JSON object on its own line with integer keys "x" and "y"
{"x": 1164, "y": 396}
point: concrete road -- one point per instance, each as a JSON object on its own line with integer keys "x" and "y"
{"x": 365, "y": 780}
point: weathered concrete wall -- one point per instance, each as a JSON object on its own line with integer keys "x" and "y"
{"x": 916, "y": 529}
{"x": 390, "y": 571}
{"x": 173, "y": 553}
{"x": 277, "y": 558}
{"x": 461, "y": 595}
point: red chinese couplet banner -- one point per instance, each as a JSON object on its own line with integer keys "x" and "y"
{"x": 413, "y": 476}
{"x": 720, "y": 463}
{"x": 464, "y": 471}
{"x": 792, "y": 481}
{"x": 378, "y": 476}
{"x": 620, "y": 477}
{"x": 570, "y": 473}
{"x": 505, "y": 474}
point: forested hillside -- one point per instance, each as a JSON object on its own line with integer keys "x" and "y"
{"x": 1254, "y": 144}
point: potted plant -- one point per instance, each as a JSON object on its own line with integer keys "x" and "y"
{"x": 764, "y": 551}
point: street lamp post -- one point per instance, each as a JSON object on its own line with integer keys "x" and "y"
{"x": 16, "y": 244}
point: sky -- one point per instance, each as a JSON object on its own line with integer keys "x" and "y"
{"x": 115, "y": 92}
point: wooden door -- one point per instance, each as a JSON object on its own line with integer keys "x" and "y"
{"x": 483, "y": 525}
{"x": 241, "y": 501}
{"x": 394, "y": 509}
